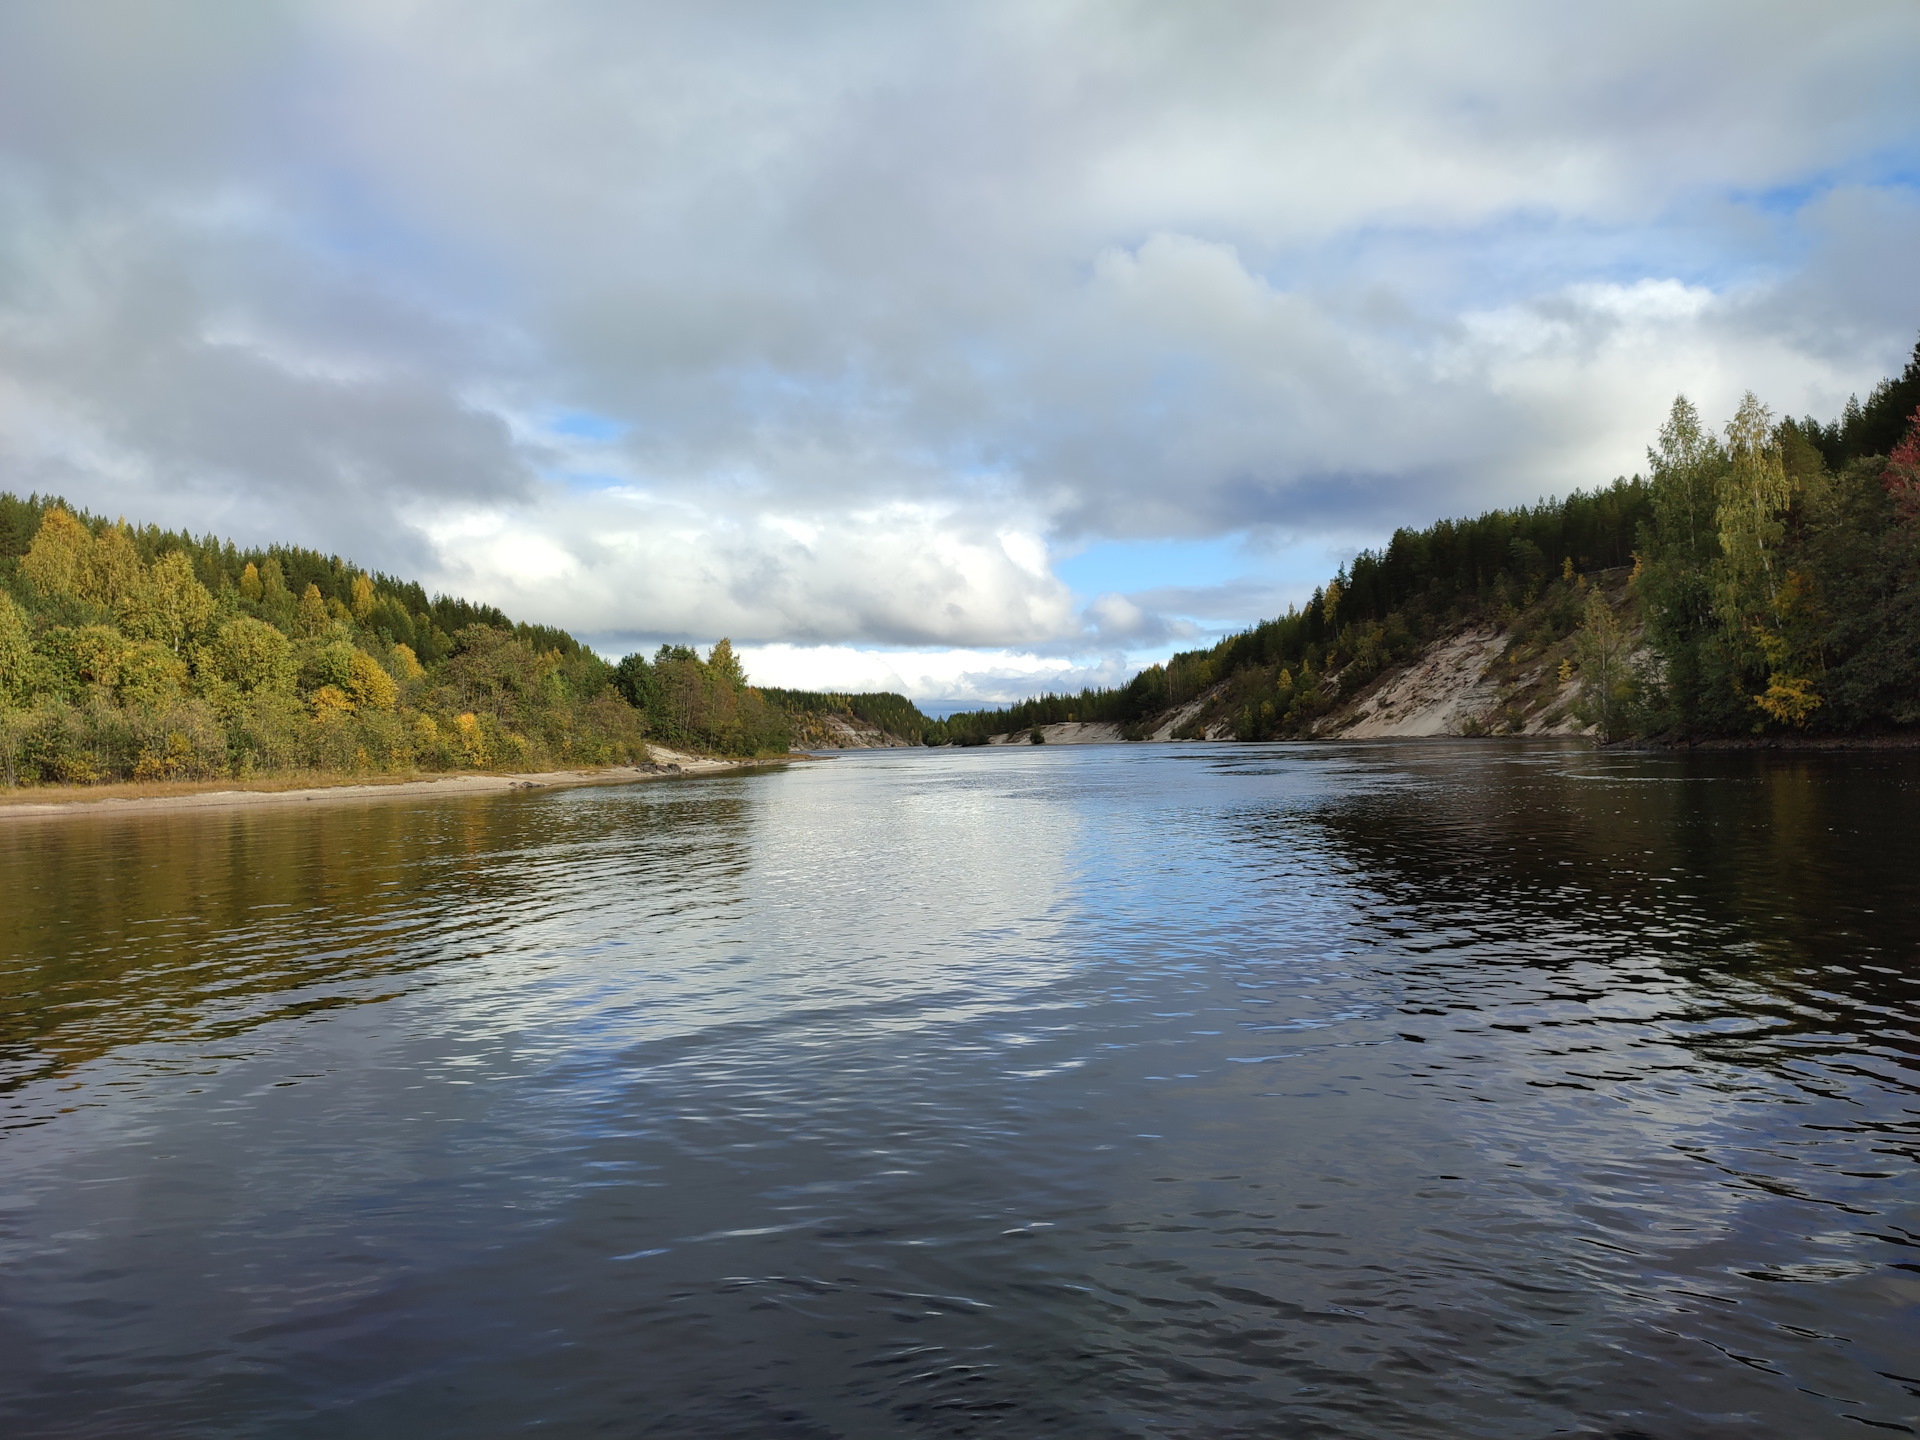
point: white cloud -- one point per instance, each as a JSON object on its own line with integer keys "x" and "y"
{"x": 940, "y": 681}
{"x": 899, "y": 573}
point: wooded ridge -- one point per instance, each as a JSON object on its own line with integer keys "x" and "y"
{"x": 1764, "y": 579}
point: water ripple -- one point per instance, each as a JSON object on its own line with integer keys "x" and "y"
{"x": 1365, "y": 1090}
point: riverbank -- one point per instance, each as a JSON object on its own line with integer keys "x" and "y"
{"x": 50, "y": 802}
{"x": 1894, "y": 740}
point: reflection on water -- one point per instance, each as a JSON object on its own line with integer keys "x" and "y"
{"x": 1434, "y": 1089}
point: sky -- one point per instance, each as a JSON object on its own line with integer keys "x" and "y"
{"x": 963, "y": 350}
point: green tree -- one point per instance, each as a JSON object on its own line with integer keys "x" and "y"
{"x": 723, "y": 664}
{"x": 85, "y": 654}
{"x": 16, "y": 654}
{"x": 172, "y": 606}
{"x": 276, "y": 601}
{"x": 1753, "y": 490}
{"x": 253, "y": 656}
{"x": 15, "y": 727}
{"x": 114, "y": 576}
{"x": 370, "y": 687}
{"x": 1679, "y": 549}
{"x": 1686, "y": 467}
{"x": 151, "y": 677}
{"x": 1609, "y": 684}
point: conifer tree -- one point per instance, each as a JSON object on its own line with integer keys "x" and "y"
{"x": 275, "y": 598}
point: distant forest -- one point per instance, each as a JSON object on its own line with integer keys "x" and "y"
{"x": 1774, "y": 569}
{"x": 881, "y": 710}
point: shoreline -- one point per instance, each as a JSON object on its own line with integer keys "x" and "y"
{"x": 1802, "y": 744}
{"x": 90, "y": 801}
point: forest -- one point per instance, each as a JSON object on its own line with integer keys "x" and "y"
{"x": 134, "y": 653}
{"x": 1775, "y": 589}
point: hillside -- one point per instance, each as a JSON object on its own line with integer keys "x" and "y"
{"x": 875, "y": 720}
{"x": 135, "y": 653}
{"x": 1480, "y": 677}
{"x": 1764, "y": 580}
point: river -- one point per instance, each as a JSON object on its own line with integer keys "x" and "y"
{"x": 1428, "y": 1089}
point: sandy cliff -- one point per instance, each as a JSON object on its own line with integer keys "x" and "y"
{"x": 1472, "y": 678}
{"x": 1475, "y": 681}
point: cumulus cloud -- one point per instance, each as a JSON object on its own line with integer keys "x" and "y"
{"x": 941, "y": 681}
{"x": 833, "y": 326}
{"x": 896, "y": 573}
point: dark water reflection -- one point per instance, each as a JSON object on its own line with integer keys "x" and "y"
{"x": 1396, "y": 1091}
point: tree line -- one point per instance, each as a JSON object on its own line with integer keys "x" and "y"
{"x": 1778, "y": 579}
{"x": 703, "y": 704}
{"x": 1773, "y": 588}
{"x": 881, "y": 709}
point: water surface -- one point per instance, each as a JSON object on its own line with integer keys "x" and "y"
{"x": 1393, "y": 1090}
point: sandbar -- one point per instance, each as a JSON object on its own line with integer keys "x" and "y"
{"x": 43, "y": 803}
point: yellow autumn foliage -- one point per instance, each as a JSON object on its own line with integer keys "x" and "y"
{"x": 56, "y": 562}
{"x": 330, "y": 705}
{"x": 370, "y": 686}
{"x": 472, "y": 739}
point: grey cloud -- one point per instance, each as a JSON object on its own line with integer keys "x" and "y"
{"x": 1223, "y": 602}
{"x": 870, "y": 287}
{"x": 207, "y": 374}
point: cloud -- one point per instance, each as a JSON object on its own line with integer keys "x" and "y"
{"x": 901, "y": 573}
{"x": 201, "y": 370}
{"x": 939, "y": 681}
{"x": 837, "y": 325}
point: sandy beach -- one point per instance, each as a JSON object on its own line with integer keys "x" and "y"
{"x": 46, "y": 802}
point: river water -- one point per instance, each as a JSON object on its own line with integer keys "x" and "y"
{"x": 1438, "y": 1089}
